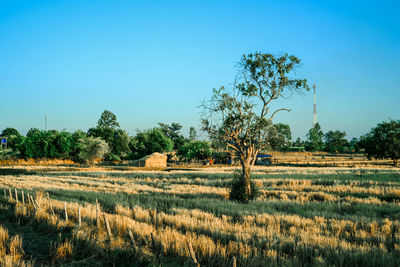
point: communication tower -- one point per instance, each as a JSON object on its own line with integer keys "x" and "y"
{"x": 315, "y": 107}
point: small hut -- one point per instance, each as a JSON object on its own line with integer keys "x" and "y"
{"x": 155, "y": 160}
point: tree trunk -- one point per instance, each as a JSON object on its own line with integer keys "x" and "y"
{"x": 246, "y": 166}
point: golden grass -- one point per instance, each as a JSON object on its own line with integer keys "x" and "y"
{"x": 200, "y": 227}
{"x": 212, "y": 236}
{"x": 300, "y": 191}
{"x": 11, "y": 251}
{"x": 64, "y": 250}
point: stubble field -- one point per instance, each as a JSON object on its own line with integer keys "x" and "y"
{"x": 305, "y": 216}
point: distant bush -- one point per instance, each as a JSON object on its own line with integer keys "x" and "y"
{"x": 93, "y": 148}
{"x": 198, "y": 150}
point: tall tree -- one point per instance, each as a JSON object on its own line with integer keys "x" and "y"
{"x": 383, "y": 141}
{"x": 279, "y": 136}
{"x": 116, "y": 138}
{"x": 119, "y": 144}
{"x": 108, "y": 120}
{"x": 240, "y": 115}
{"x": 150, "y": 141}
{"x": 335, "y": 141}
{"x": 315, "y": 138}
{"x": 172, "y": 131}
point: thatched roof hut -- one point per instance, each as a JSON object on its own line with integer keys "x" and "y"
{"x": 155, "y": 160}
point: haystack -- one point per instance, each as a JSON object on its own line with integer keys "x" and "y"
{"x": 155, "y": 160}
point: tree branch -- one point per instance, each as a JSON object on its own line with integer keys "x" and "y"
{"x": 276, "y": 111}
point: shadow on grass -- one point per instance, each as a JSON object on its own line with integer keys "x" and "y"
{"x": 218, "y": 206}
{"x": 12, "y": 171}
{"x": 40, "y": 240}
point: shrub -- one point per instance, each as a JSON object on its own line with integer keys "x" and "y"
{"x": 92, "y": 148}
{"x": 237, "y": 188}
{"x": 199, "y": 150}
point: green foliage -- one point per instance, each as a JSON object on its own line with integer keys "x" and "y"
{"x": 102, "y": 132}
{"x": 76, "y": 146}
{"x": 9, "y": 131}
{"x": 222, "y": 157}
{"x": 63, "y": 142}
{"x": 299, "y": 143}
{"x": 199, "y": 150}
{"x": 48, "y": 144}
{"x": 355, "y": 144}
{"x": 150, "y": 141}
{"x": 173, "y": 132}
{"x": 20, "y": 146}
{"x": 279, "y": 136}
{"x": 36, "y": 144}
{"x": 116, "y": 138}
{"x": 119, "y": 145}
{"x": 32, "y": 132}
{"x": 240, "y": 116}
{"x": 335, "y": 141}
{"x": 108, "y": 120}
{"x": 92, "y": 148}
{"x": 54, "y": 144}
{"x": 315, "y": 139}
{"x": 383, "y": 141}
{"x": 237, "y": 187}
{"x": 112, "y": 157}
{"x": 45, "y": 144}
{"x": 12, "y": 137}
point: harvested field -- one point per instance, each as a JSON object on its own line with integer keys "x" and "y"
{"x": 305, "y": 216}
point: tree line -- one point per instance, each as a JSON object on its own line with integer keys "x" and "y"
{"x": 107, "y": 140}
{"x": 382, "y": 141}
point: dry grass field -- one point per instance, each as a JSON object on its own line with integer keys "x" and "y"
{"x": 305, "y": 216}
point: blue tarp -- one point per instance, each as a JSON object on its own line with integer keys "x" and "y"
{"x": 264, "y": 156}
{"x": 4, "y": 140}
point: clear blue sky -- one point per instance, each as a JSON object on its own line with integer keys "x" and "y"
{"x": 155, "y": 61}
